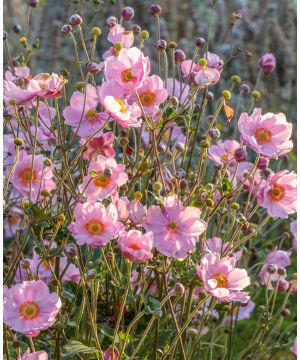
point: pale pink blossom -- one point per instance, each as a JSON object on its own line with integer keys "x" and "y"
{"x": 221, "y": 279}
{"x": 203, "y": 76}
{"x": 214, "y": 61}
{"x": 175, "y": 228}
{"x": 216, "y": 245}
{"x": 38, "y": 175}
{"x": 180, "y": 91}
{"x": 112, "y": 98}
{"x": 267, "y": 134}
{"x": 223, "y": 152}
{"x": 82, "y": 114}
{"x": 118, "y": 34}
{"x": 242, "y": 311}
{"x": 293, "y": 228}
{"x": 129, "y": 69}
{"x": 94, "y": 224}
{"x": 294, "y": 347}
{"x": 136, "y": 246}
{"x": 137, "y": 211}
{"x": 37, "y": 355}
{"x": 13, "y": 221}
{"x": 98, "y": 185}
{"x": 121, "y": 203}
{"x": 100, "y": 145}
{"x": 151, "y": 94}
{"x": 278, "y": 194}
{"x": 111, "y": 354}
{"x": 29, "y": 307}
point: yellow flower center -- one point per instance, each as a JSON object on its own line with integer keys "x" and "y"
{"x": 101, "y": 181}
{"x": 95, "y": 227}
{"x": 263, "y": 135}
{"x": 147, "y": 98}
{"x": 127, "y": 76}
{"x": 91, "y": 113}
{"x": 172, "y": 225}
{"x": 277, "y": 192}
{"x": 221, "y": 280}
{"x": 29, "y": 310}
{"x": 225, "y": 156}
{"x": 122, "y": 105}
{"x": 27, "y": 173}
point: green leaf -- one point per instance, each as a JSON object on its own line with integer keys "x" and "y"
{"x": 75, "y": 347}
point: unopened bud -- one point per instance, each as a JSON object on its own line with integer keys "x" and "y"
{"x": 70, "y": 251}
{"x": 19, "y": 141}
{"x": 75, "y": 20}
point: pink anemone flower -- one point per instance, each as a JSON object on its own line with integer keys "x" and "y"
{"x": 82, "y": 114}
{"x": 221, "y": 279}
{"x": 129, "y": 69}
{"x": 114, "y": 103}
{"x": 37, "y": 355}
{"x": 29, "y": 307}
{"x": 278, "y": 194}
{"x": 94, "y": 224}
{"x": 104, "y": 177}
{"x": 175, "y": 228}
{"x": 100, "y": 145}
{"x": 267, "y": 134}
{"x": 37, "y": 177}
{"x": 223, "y": 152}
{"x": 136, "y": 246}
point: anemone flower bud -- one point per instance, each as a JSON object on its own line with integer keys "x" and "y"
{"x": 111, "y": 21}
{"x": 263, "y": 163}
{"x": 75, "y": 20}
{"x": 127, "y": 13}
{"x": 161, "y": 44}
{"x": 70, "y": 251}
{"x": 136, "y": 29}
{"x": 267, "y": 63}
{"x": 154, "y": 9}
{"x": 179, "y": 56}
{"x": 33, "y": 3}
{"x": 200, "y": 42}
{"x": 240, "y": 155}
{"x": 66, "y": 29}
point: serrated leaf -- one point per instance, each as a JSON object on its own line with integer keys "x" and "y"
{"x": 75, "y": 347}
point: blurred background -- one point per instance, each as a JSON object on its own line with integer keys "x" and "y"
{"x": 264, "y": 26}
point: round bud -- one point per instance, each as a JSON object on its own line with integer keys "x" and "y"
{"x": 172, "y": 45}
{"x": 263, "y": 163}
{"x": 118, "y": 46}
{"x": 138, "y": 195}
{"x": 209, "y": 203}
{"x": 107, "y": 173}
{"x": 157, "y": 186}
{"x": 7, "y": 114}
{"x": 235, "y": 206}
{"x": 202, "y": 62}
{"x": 111, "y": 21}
{"x": 255, "y": 94}
{"x": 272, "y": 269}
{"x": 283, "y": 285}
{"x": 226, "y": 94}
{"x": 144, "y": 34}
{"x": 205, "y": 144}
{"x": 96, "y": 31}
{"x": 281, "y": 271}
{"x": 79, "y": 86}
{"x": 26, "y": 204}
{"x": 245, "y": 226}
{"x": 158, "y": 312}
{"x": 161, "y": 148}
{"x": 179, "y": 289}
{"x": 200, "y": 42}
{"x": 33, "y": 3}
{"x": 240, "y": 155}
{"x": 127, "y": 13}
{"x": 180, "y": 173}
{"x": 285, "y": 312}
{"x": 5, "y": 35}
{"x": 154, "y": 9}
{"x": 91, "y": 274}
{"x": 267, "y": 172}
{"x": 70, "y": 251}
{"x": 136, "y": 29}
{"x": 236, "y": 79}
{"x": 19, "y": 141}
{"x": 45, "y": 193}
{"x": 179, "y": 56}
{"x": 261, "y": 308}
{"x": 245, "y": 89}
{"x": 61, "y": 218}
{"x": 75, "y": 20}
{"x": 93, "y": 68}
{"x": 174, "y": 101}
{"x": 17, "y": 28}
{"x": 227, "y": 331}
{"x": 214, "y": 133}
{"x": 209, "y": 96}
{"x": 47, "y": 162}
{"x": 161, "y": 44}
{"x": 183, "y": 184}
{"x": 23, "y": 40}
